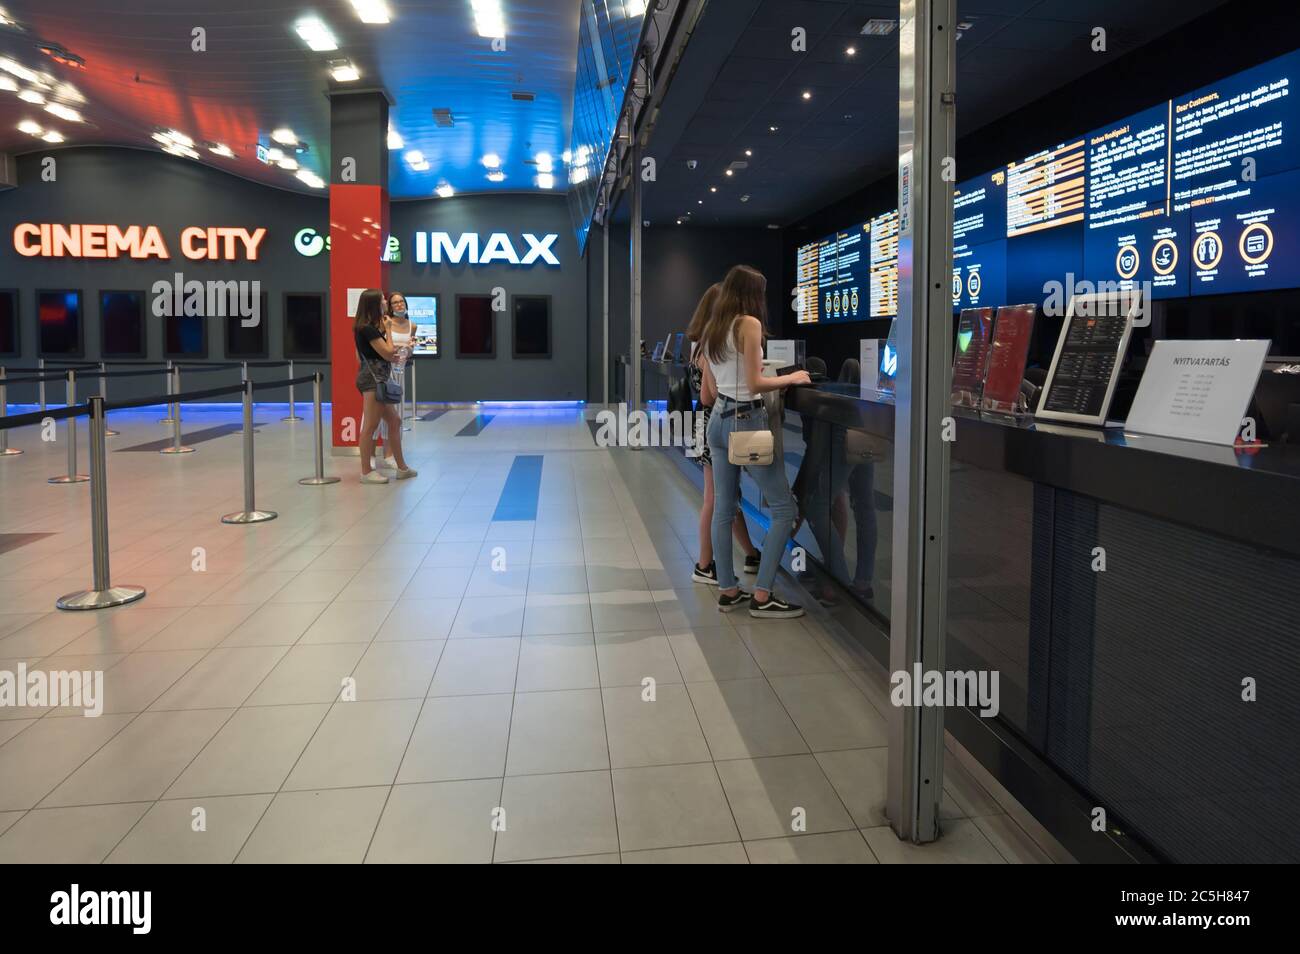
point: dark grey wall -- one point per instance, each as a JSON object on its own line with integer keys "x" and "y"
{"x": 125, "y": 186}
{"x": 128, "y": 186}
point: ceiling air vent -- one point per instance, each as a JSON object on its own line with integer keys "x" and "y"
{"x": 443, "y": 118}
{"x": 879, "y": 27}
{"x": 738, "y": 165}
{"x": 519, "y": 96}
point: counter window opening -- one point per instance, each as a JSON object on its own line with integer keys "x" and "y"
{"x": 475, "y": 327}
{"x": 531, "y": 326}
{"x": 60, "y": 331}
{"x": 10, "y": 342}
{"x": 246, "y": 341}
{"x": 304, "y": 326}
{"x": 121, "y": 324}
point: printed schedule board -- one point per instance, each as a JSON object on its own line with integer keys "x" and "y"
{"x": 1195, "y": 195}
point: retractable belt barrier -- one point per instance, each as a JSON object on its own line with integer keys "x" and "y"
{"x": 103, "y": 593}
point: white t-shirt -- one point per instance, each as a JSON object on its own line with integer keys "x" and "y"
{"x": 729, "y": 373}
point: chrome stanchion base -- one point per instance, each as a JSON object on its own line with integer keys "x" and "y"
{"x": 69, "y": 479}
{"x": 249, "y": 516}
{"x": 166, "y": 420}
{"x": 10, "y": 452}
{"x": 318, "y": 481}
{"x": 100, "y": 599}
{"x": 111, "y": 433}
{"x": 177, "y": 450}
{"x": 291, "y": 417}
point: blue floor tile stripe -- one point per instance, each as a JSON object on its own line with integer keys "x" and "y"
{"x": 518, "y": 500}
{"x": 476, "y": 425}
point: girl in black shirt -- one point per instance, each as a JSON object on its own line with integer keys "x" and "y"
{"x": 376, "y": 353}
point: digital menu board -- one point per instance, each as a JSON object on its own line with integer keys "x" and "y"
{"x": 1046, "y": 190}
{"x": 884, "y": 265}
{"x": 979, "y": 241}
{"x": 422, "y": 311}
{"x": 832, "y": 277}
{"x": 1089, "y": 351}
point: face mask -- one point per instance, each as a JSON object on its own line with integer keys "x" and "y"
{"x": 399, "y": 312}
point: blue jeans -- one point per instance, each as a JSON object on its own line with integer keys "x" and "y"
{"x": 771, "y": 481}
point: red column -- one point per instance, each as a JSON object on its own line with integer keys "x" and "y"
{"x": 358, "y": 227}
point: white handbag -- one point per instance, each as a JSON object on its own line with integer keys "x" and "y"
{"x": 749, "y": 448}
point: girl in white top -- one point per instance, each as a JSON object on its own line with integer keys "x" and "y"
{"x": 730, "y": 354}
{"x": 401, "y": 332}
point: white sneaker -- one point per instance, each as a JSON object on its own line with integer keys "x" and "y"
{"x": 386, "y": 463}
{"x": 374, "y": 477}
{"x": 407, "y": 474}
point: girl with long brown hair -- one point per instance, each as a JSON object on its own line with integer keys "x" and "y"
{"x": 705, "y": 570}
{"x": 730, "y": 355}
{"x": 376, "y": 354}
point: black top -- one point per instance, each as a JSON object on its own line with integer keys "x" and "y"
{"x": 363, "y": 338}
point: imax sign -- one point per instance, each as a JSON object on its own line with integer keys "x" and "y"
{"x": 439, "y": 247}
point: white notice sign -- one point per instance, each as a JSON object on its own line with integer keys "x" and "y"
{"x": 781, "y": 350}
{"x": 868, "y": 366}
{"x": 1197, "y": 390}
{"x": 354, "y": 298}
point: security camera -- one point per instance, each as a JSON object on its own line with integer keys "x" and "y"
{"x": 692, "y": 163}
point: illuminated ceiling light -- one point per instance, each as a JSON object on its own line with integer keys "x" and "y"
{"x": 749, "y": 152}
{"x": 496, "y": 175}
{"x": 634, "y": 8}
{"x": 851, "y": 51}
{"x": 421, "y": 166}
{"x": 544, "y": 162}
{"x": 579, "y": 174}
{"x": 8, "y": 84}
{"x": 29, "y": 127}
{"x": 713, "y": 188}
{"x": 744, "y": 198}
{"x": 32, "y": 96}
{"x": 342, "y": 71}
{"x": 567, "y": 156}
{"x": 394, "y": 140}
{"x": 221, "y": 149}
{"x": 5, "y": 18}
{"x": 877, "y": 26}
{"x": 179, "y": 137}
{"x": 492, "y": 161}
{"x": 773, "y": 128}
{"x": 284, "y": 136}
{"x": 371, "y": 11}
{"x": 17, "y": 69}
{"x": 488, "y": 19}
{"x": 699, "y": 201}
{"x": 545, "y": 180}
{"x": 414, "y": 157}
{"x": 52, "y": 136}
{"x": 63, "y": 112}
{"x": 582, "y": 155}
{"x": 445, "y": 191}
{"x": 807, "y": 94}
{"x": 289, "y": 165}
{"x": 728, "y": 172}
{"x": 310, "y": 178}
{"x": 316, "y": 34}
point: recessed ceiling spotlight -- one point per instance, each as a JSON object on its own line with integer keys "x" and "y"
{"x": 284, "y": 136}
{"x": 7, "y": 83}
{"x": 496, "y": 175}
{"x": 545, "y": 180}
{"x": 6, "y": 19}
{"x": 634, "y": 8}
{"x": 679, "y": 221}
{"x": 274, "y": 155}
{"x": 64, "y": 112}
{"x": 342, "y": 71}
{"x": 749, "y": 152}
{"x": 29, "y": 127}
{"x": 851, "y": 51}
{"x": 288, "y": 164}
{"x": 567, "y": 156}
{"x": 316, "y": 34}
{"x": 52, "y": 136}
{"x": 414, "y": 157}
{"x": 310, "y": 178}
{"x": 492, "y": 161}
{"x": 773, "y": 128}
{"x": 488, "y": 18}
{"x": 744, "y": 198}
{"x": 221, "y": 149}
{"x": 371, "y": 11}
{"x": 807, "y": 94}
{"x": 728, "y": 172}
{"x": 17, "y": 69}
{"x": 699, "y": 201}
{"x": 544, "y": 162}
{"x": 32, "y": 96}
{"x": 445, "y": 191}
{"x": 579, "y": 174}
{"x": 394, "y": 140}
{"x": 180, "y": 138}
{"x": 713, "y": 188}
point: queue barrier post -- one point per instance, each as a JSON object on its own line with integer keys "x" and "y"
{"x": 250, "y": 513}
{"x": 293, "y": 413}
{"x": 5, "y": 449}
{"x": 40, "y": 369}
{"x": 102, "y": 593}
{"x": 176, "y": 446}
{"x": 319, "y": 478}
{"x": 71, "y": 477}
{"x": 404, "y": 417}
{"x": 103, "y": 392}
{"x": 171, "y": 389}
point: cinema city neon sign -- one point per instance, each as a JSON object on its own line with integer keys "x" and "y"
{"x": 198, "y": 243}
{"x": 438, "y": 247}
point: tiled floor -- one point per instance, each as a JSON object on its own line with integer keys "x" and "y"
{"x": 385, "y": 673}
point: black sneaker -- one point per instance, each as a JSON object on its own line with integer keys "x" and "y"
{"x": 728, "y": 603}
{"x": 707, "y": 575}
{"x": 774, "y": 608}
{"x": 752, "y": 562}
